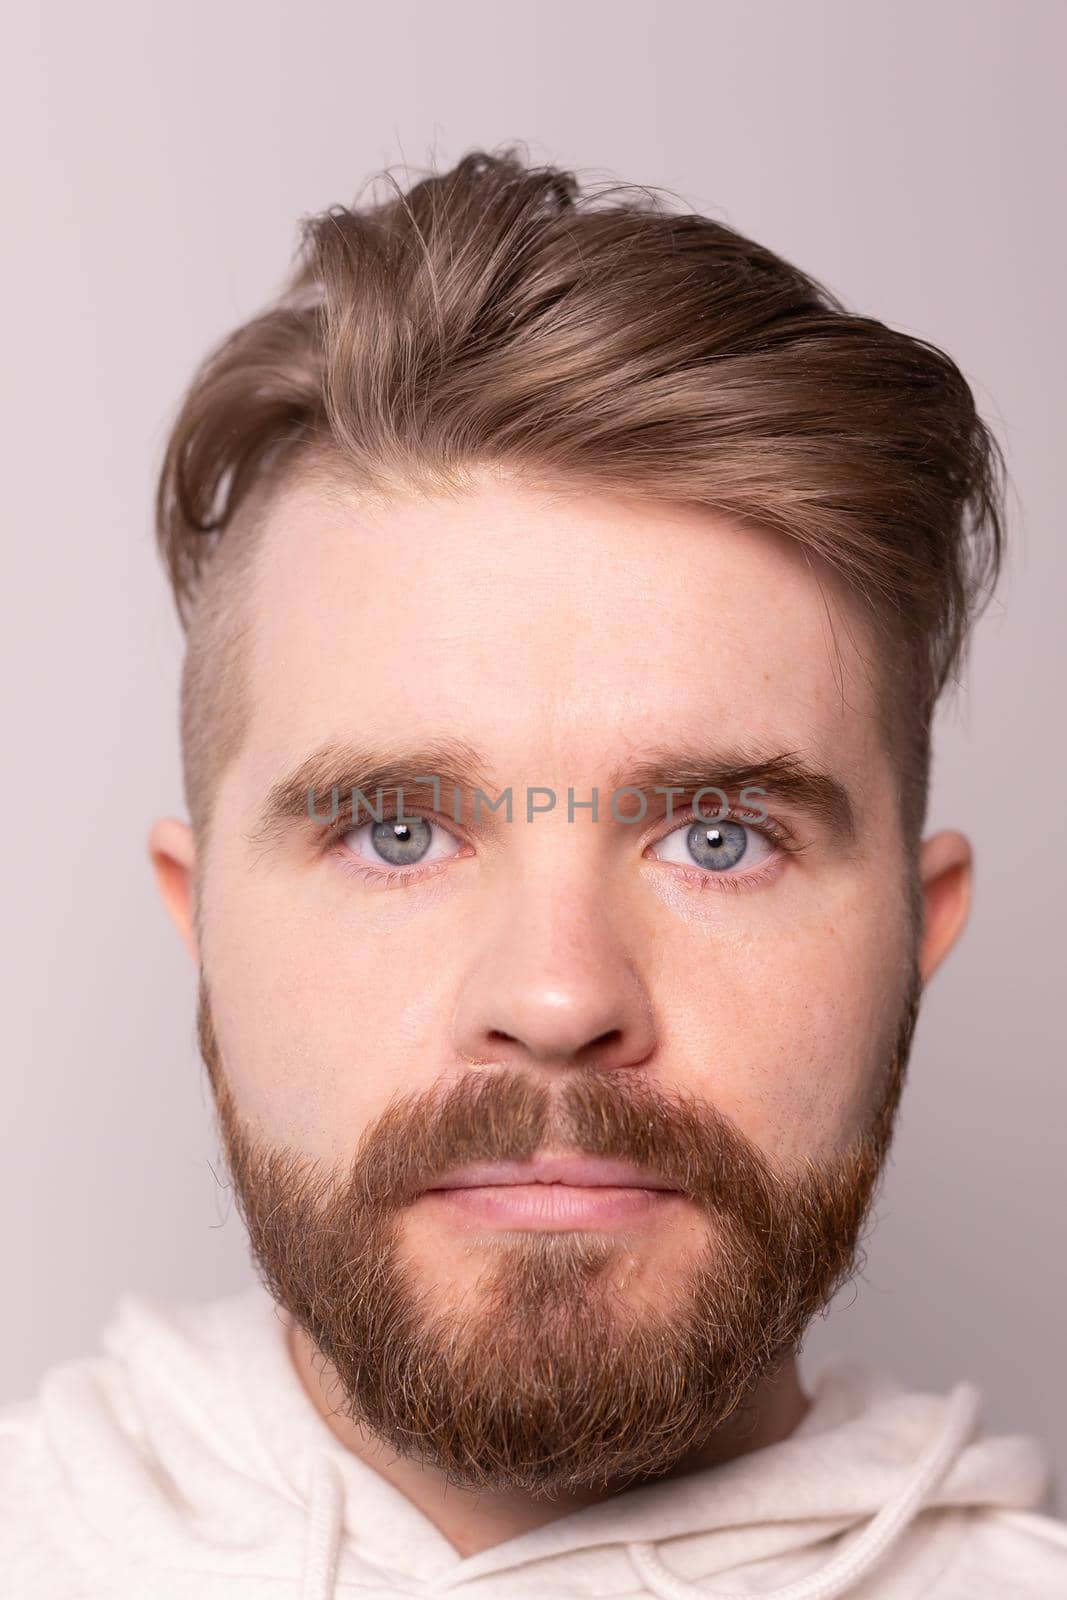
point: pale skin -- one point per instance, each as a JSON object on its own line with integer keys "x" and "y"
{"x": 561, "y": 634}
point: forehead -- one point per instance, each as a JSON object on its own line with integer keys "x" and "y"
{"x": 549, "y": 628}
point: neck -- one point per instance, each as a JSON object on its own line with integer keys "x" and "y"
{"x": 473, "y": 1521}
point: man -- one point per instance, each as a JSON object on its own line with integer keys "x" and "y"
{"x": 568, "y": 585}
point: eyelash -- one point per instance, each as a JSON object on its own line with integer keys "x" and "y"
{"x": 769, "y": 828}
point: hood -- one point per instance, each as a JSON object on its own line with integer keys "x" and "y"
{"x": 192, "y": 1443}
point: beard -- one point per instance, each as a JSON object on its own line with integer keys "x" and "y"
{"x": 549, "y": 1379}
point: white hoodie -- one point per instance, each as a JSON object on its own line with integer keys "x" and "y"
{"x": 188, "y": 1463}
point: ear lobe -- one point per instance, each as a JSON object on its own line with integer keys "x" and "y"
{"x": 947, "y": 876}
{"x": 173, "y": 856}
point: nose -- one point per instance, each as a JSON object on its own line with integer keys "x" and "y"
{"x": 555, "y": 983}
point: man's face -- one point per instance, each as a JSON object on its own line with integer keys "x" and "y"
{"x": 723, "y": 1006}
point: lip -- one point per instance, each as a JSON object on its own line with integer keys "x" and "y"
{"x": 576, "y": 1171}
{"x": 552, "y": 1207}
{"x": 553, "y": 1193}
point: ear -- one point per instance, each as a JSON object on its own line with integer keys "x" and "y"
{"x": 173, "y": 856}
{"x": 946, "y": 876}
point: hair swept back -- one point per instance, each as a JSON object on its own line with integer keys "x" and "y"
{"x": 500, "y": 314}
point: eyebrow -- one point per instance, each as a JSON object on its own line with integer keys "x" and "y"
{"x": 344, "y": 766}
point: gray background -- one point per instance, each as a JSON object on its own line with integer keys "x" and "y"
{"x": 158, "y": 157}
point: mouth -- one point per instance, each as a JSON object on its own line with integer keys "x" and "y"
{"x": 553, "y": 1192}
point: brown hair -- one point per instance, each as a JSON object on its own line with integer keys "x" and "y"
{"x": 499, "y": 315}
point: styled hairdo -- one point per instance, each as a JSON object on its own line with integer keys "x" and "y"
{"x": 497, "y": 314}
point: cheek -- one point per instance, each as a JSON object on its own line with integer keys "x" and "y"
{"x": 796, "y": 1024}
{"x": 320, "y": 1022}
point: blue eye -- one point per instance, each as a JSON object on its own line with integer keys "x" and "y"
{"x": 715, "y": 846}
{"x": 396, "y": 842}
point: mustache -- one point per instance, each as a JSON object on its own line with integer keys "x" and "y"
{"x": 499, "y": 1114}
